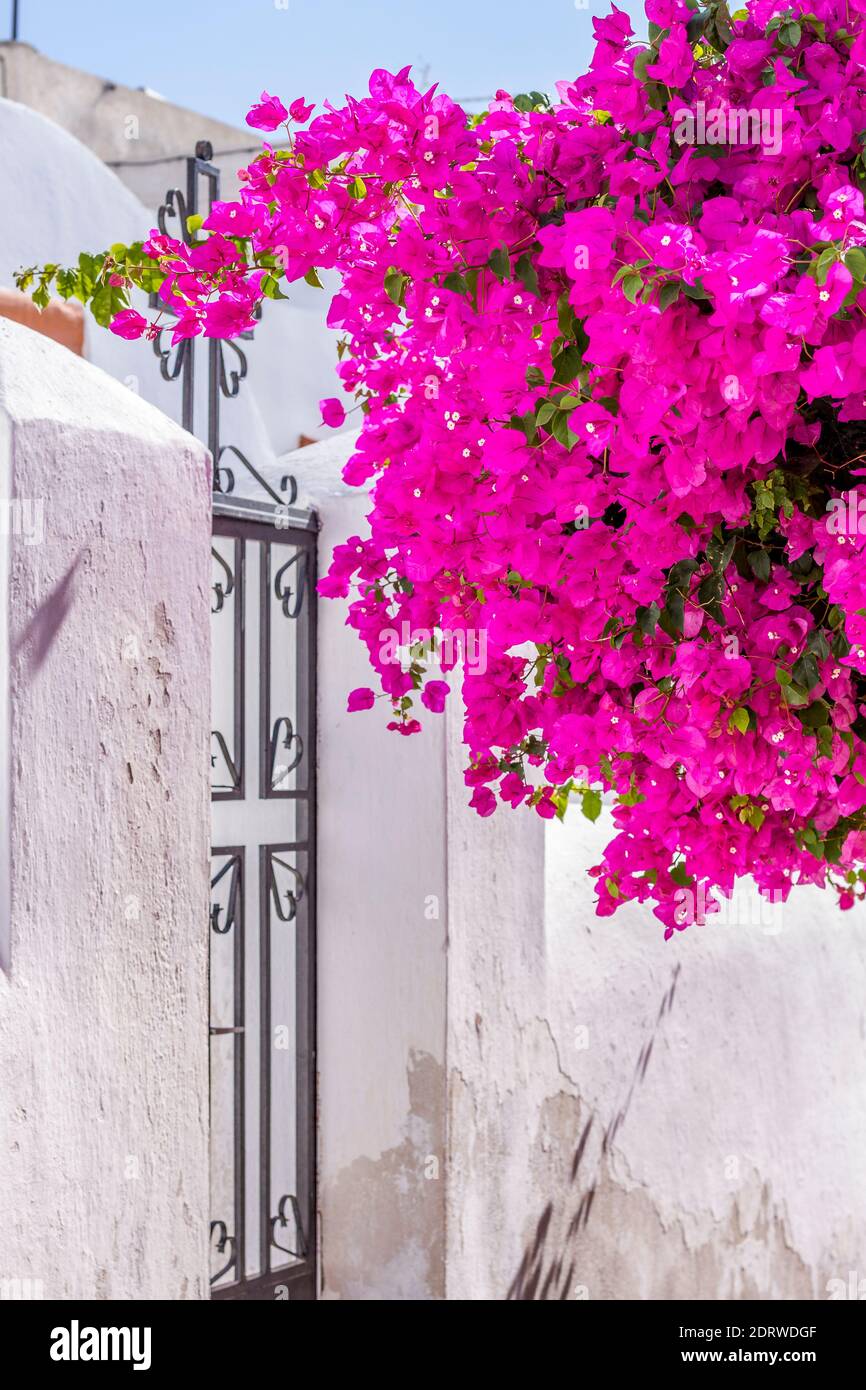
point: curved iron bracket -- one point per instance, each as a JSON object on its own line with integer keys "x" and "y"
{"x": 225, "y": 1241}
{"x": 232, "y": 905}
{"x": 282, "y": 1220}
{"x": 234, "y": 774}
{"x": 230, "y": 382}
{"x": 290, "y": 738}
{"x": 293, "y": 897}
{"x": 283, "y": 591}
{"x": 221, "y": 592}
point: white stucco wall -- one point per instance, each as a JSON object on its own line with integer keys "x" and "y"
{"x": 103, "y": 1007}
{"x": 647, "y": 1119}
{"x": 382, "y": 923}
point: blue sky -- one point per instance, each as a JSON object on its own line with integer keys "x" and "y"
{"x": 215, "y": 56}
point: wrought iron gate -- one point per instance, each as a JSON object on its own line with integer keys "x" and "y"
{"x": 262, "y": 959}
{"x": 263, "y": 790}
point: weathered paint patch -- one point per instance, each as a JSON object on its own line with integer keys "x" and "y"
{"x": 383, "y": 1236}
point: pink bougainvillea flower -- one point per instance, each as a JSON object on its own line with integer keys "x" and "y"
{"x": 268, "y": 113}
{"x": 362, "y": 698}
{"x": 129, "y": 324}
{"x": 333, "y": 412}
{"x": 300, "y": 110}
{"x": 232, "y": 219}
{"x": 434, "y": 695}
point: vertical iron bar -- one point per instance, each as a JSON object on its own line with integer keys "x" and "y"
{"x": 265, "y": 908}
{"x": 265, "y": 1058}
{"x": 239, "y": 1081}
{"x": 306, "y": 947}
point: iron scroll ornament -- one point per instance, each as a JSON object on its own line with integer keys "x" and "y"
{"x": 282, "y": 1220}
{"x": 233, "y": 865}
{"x": 279, "y": 772}
{"x": 283, "y": 589}
{"x": 293, "y": 895}
{"x": 224, "y": 1241}
{"x": 222, "y": 591}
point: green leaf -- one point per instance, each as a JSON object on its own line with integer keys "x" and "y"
{"x": 739, "y": 720}
{"x": 695, "y": 291}
{"x": 806, "y": 673}
{"x": 647, "y": 618}
{"x": 454, "y": 281}
{"x": 672, "y": 617}
{"x": 526, "y": 274}
{"x": 795, "y": 695}
{"x": 395, "y": 285}
{"x": 500, "y": 263}
{"x": 642, "y": 62}
{"x": 312, "y": 278}
{"x": 567, "y": 365}
{"x": 357, "y": 188}
{"x": 270, "y": 287}
{"x": 813, "y": 716}
{"x": 669, "y": 293}
{"x": 756, "y": 817}
{"x": 559, "y": 429}
{"x": 759, "y": 564}
{"x": 855, "y": 260}
{"x": 565, "y": 316}
{"x": 822, "y": 266}
{"x": 591, "y": 804}
{"x": 631, "y": 287}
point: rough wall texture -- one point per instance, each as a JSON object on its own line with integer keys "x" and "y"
{"x": 635, "y": 1118}
{"x": 103, "y": 1009}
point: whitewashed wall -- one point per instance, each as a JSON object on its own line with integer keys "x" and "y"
{"x": 635, "y": 1118}
{"x": 382, "y": 910}
{"x": 103, "y": 1002}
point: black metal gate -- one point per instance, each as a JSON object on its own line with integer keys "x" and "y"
{"x": 263, "y": 790}
{"x": 262, "y": 972}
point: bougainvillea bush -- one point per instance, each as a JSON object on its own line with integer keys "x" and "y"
{"x": 608, "y": 352}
